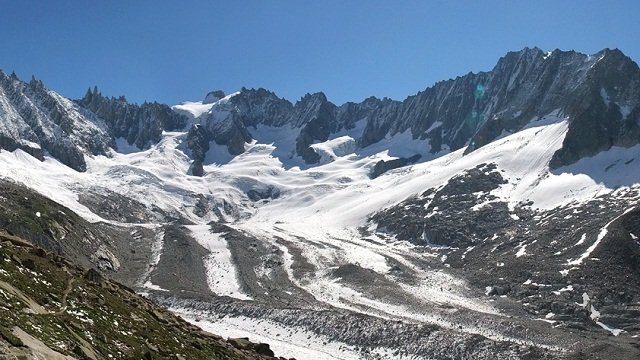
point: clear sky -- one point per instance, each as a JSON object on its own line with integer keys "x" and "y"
{"x": 172, "y": 51}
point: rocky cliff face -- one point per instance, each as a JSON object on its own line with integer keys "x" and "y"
{"x": 605, "y": 109}
{"x": 139, "y": 125}
{"x": 36, "y": 119}
{"x": 599, "y": 93}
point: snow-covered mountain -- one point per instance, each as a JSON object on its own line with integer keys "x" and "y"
{"x": 494, "y": 214}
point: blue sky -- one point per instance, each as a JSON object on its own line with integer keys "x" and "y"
{"x": 171, "y": 51}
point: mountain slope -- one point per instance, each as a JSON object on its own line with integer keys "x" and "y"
{"x": 55, "y": 310}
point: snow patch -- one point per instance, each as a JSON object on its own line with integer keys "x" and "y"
{"x": 221, "y": 273}
{"x": 582, "y": 239}
{"x": 123, "y": 147}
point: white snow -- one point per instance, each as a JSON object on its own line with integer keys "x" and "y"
{"x": 564, "y": 289}
{"x": 217, "y": 154}
{"x": 332, "y": 149}
{"x": 30, "y": 144}
{"x": 605, "y": 96}
{"x": 221, "y": 273}
{"x": 199, "y": 111}
{"x": 193, "y": 109}
{"x": 595, "y": 314}
{"x": 585, "y": 300}
{"x": 613, "y": 331}
{"x": 150, "y": 285}
{"x": 123, "y": 147}
{"x": 522, "y": 250}
{"x": 549, "y": 315}
{"x": 582, "y": 239}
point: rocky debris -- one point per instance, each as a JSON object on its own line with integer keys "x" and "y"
{"x": 263, "y": 349}
{"x": 498, "y": 290}
{"x": 10, "y": 337}
{"x": 19, "y": 216}
{"x": 6, "y": 235}
{"x": 181, "y": 266}
{"x": 435, "y": 217}
{"x": 543, "y": 263}
{"x": 241, "y": 343}
{"x": 105, "y": 259}
{"x": 108, "y": 204}
{"x": 121, "y": 252}
{"x": 364, "y": 332}
{"x": 269, "y": 192}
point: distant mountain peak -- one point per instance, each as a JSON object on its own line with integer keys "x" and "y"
{"x": 213, "y": 96}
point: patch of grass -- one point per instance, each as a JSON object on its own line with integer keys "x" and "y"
{"x": 113, "y": 319}
{"x": 9, "y": 337}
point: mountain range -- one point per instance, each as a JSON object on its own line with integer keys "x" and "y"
{"x": 490, "y": 215}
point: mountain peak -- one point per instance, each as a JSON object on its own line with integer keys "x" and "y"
{"x": 213, "y": 96}
{"x": 317, "y": 96}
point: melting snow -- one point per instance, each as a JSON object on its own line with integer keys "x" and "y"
{"x": 613, "y": 331}
{"x": 582, "y": 239}
{"x": 221, "y": 274}
{"x": 522, "y": 250}
{"x": 150, "y": 285}
{"x": 123, "y": 147}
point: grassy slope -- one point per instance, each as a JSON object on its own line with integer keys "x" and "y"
{"x": 53, "y": 300}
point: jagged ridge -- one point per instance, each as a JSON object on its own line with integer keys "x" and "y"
{"x": 599, "y": 93}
